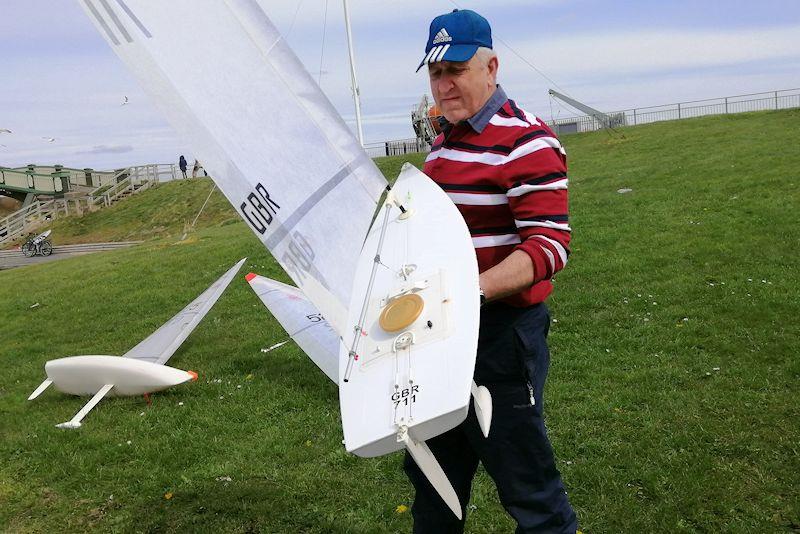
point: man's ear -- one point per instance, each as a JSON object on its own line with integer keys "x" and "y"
{"x": 493, "y": 66}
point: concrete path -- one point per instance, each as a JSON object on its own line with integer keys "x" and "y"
{"x": 14, "y": 258}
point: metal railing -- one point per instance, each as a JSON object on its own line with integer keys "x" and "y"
{"x": 27, "y": 179}
{"x": 116, "y": 184}
{"x": 132, "y": 179}
{"x": 396, "y": 147}
{"x": 16, "y": 224}
{"x": 769, "y": 101}
{"x": 58, "y": 180}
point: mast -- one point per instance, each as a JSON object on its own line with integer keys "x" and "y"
{"x": 353, "y": 80}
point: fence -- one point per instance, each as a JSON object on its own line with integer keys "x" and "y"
{"x": 773, "y": 100}
{"x": 58, "y": 180}
{"x": 28, "y": 178}
{"x": 111, "y": 186}
{"x": 397, "y": 147}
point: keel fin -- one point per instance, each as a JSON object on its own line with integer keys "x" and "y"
{"x": 43, "y": 386}
{"x": 430, "y": 467}
{"x": 482, "y": 400}
{"x": 75, "y": 422}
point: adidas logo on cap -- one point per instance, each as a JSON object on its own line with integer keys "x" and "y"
{"x": 442, "y": 37}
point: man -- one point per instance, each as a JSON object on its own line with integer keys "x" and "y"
{"x": 506, "y": 172}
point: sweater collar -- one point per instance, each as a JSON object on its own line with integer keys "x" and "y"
{"x": 480, "y": 120}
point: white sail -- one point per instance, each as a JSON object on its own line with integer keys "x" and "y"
{"x": 159, "y": 346}
{"x": 227, "y": 81}
{"x": 302, "y": 321}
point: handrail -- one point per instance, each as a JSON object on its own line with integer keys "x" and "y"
{"x": 122, "y": 181}
{"x": 766, "y": 94}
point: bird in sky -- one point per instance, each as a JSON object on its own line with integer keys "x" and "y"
{"x": 49, "y": 139}
{"x": 125, "y": 101}
{"x": 5, "y": 130}
{"x": 3, "y": 146}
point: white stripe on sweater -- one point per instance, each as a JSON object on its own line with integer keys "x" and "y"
{"x": 549, "y": 257}
{"x": 533, "y": 119}
{"x": 526, "y": 188}
{"x": 488, "y": 158}
{"x": 497, "y": 120}
{"x": 495, "y": 240}
{"x": 478, "y": 199}
{"x": 562, "y": 252}
{"x": 543, "y": 224}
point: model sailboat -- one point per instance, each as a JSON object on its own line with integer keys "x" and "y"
{"x": 142, "y": 369}
{"x": 287, "y": 162}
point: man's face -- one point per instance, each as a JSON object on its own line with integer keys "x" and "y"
{"x": 460, "y": 89}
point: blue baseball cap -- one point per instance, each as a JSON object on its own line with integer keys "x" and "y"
{"x": 456, "y": 36}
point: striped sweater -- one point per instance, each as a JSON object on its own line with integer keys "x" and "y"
{"x": 507, "y": 173}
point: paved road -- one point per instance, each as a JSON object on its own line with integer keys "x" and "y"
{"x": 14, "y": 258}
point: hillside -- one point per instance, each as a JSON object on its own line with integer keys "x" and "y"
{"x": 671, "y": 401}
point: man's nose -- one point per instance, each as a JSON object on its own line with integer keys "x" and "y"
{"x": 445, "y": 83}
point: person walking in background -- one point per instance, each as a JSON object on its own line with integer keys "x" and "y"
{"x": 195, "y": 168}
{"x": 182, "y": 165}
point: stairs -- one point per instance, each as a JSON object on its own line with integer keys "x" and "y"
{"x": 81, "y": 198}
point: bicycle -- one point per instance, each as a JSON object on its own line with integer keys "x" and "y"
{"x": 37, "y": 245}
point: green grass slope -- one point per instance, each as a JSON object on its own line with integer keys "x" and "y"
{"x": 672, "y": 398}
{"x": 161, "y": 212}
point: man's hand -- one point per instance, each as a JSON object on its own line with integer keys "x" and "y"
{"x": 510, "y": 276}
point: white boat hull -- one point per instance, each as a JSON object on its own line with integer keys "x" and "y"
{"x": 426, "y": 387}
{"x": 86, "y": 375}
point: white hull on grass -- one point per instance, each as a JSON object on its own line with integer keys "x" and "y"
{"x": 141, "y": 370}
{"x": 86, "y": 375}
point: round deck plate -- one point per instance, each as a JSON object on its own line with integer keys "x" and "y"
{"x": 401, "y": 312}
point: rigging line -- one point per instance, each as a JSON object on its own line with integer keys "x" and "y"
{"x": 531, "y": 65}
{"x": 359, "y": 328}
{"x": 291, "y": 26}
{"x": 322, "y": 49}
{"x": 410, "y": 379}
{"x": 204, "y": 204}
{"x": 199, "y": 212}
{"x": 571, "y": 112}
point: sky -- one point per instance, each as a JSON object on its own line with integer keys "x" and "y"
{"x": 60, "y": 80}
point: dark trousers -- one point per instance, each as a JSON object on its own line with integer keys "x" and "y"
{"x": 512, "y": 362}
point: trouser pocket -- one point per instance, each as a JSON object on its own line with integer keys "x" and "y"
{"x": 533, "y": 356}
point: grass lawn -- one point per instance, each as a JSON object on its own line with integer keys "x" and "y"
{"x": 672, "y": 399}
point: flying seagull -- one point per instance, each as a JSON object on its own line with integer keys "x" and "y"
{"x": 49, "y": 139}
{"x": 5, "y": 130}
{"x": 124, "y": 102}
